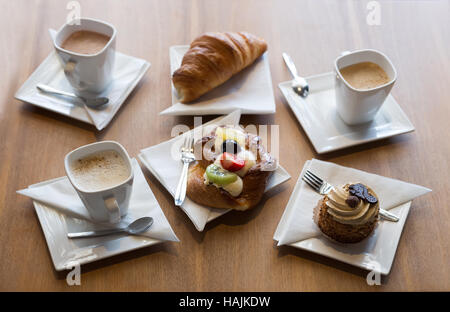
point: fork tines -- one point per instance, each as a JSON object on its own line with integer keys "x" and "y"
{"x": 187, "y": 144}
{"x": 314, "y": 181}
{"x": 316, "y": 178}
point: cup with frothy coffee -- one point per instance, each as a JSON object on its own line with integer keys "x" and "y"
{"x": 86, "y": 49}
{"x": 364, "y": 79}
{"x": 102, "y": 175}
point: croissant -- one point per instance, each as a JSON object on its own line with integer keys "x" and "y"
{"x": 212, "y": 59}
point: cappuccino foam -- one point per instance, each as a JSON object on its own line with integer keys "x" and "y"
{"x": 365, "y": 75}
{"x": 98, "y": 171}
{"x": 85, "y": 42}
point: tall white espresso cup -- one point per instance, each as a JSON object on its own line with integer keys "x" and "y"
{"x": 357, "y": 106}
{"x": 105, "y": 205}
{"x": 87, "y": 74}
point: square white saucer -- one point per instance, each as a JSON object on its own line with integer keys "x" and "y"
{"x": 65, "y": 252}
{"x": 325, "y": 129}
{"x": 378, "y": 255}
{"x": 249, "y": 90}
{"x": 377, "y": 252}
{"x": 50, "y": 72}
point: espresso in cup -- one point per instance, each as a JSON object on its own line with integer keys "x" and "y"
{"x": 86, "y": 50}
{"x": 363, "y": 81}
{"x": 85, "y": 42}
{"x": 364, "y": 75}
{"x": 99, "y": 171}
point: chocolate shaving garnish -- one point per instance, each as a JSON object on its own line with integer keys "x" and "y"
{"x": 352, "y": 201}
{"x": 371, "y": 199}
{"x": 359, "y": 190}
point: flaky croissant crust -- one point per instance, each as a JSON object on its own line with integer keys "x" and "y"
{"x": 212, "y": 59}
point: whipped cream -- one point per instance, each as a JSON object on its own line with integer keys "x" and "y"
{"x": 338, "y": 208}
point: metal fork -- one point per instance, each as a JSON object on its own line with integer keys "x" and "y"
{"x": 187, "y": 156}
{"x": 323, "y": 188}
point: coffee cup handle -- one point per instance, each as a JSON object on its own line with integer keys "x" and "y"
{"x": 69, "y": 70}
{"x": 113, "y": 209}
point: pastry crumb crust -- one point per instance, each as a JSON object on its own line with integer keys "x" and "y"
{"x": 343, "y": 233}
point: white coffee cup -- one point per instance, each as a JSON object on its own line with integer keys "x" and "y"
{"x": 105, "y": 205}
{"x": 88, "y": 74}
{"x": 357, "y": 106}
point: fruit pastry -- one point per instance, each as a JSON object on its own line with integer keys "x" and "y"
{"x": 232, "y": 171}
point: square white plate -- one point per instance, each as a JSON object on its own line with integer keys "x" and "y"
{"x": 50, "y": 72}
{"x": 250, "y": 91}
{"x": 325, "y": 129}
{"x": 167, "y": 171}
{"x": 64, "y": 251}
{"x": 377, "y": 252}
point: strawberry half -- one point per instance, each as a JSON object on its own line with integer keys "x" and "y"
{"x": 231, "y": 162}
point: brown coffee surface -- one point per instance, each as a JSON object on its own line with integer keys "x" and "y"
{"x": 85, "y": 42}
{"x": 99, "y": 171}
{"x": 365, "y": 75}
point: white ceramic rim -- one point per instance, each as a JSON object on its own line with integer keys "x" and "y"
{"x": 111, "y": 39}
{"x": 338, "y": 72}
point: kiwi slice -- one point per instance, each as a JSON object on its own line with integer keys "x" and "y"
{"x": 219, "y": 175}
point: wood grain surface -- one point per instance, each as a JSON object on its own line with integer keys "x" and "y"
{"x": 235, "y": 252}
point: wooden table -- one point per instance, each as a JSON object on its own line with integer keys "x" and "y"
{"x": 235, "y": 252}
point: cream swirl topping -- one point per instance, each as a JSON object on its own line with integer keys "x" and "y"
{"x": 338, "y": 208}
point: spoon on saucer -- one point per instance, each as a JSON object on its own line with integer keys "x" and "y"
{"x": 134, "y": 228}
{"x": 299, "y": 84}
{"x": 94, "y": 103}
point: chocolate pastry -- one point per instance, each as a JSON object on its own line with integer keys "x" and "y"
{"x": 348, "y": 214}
